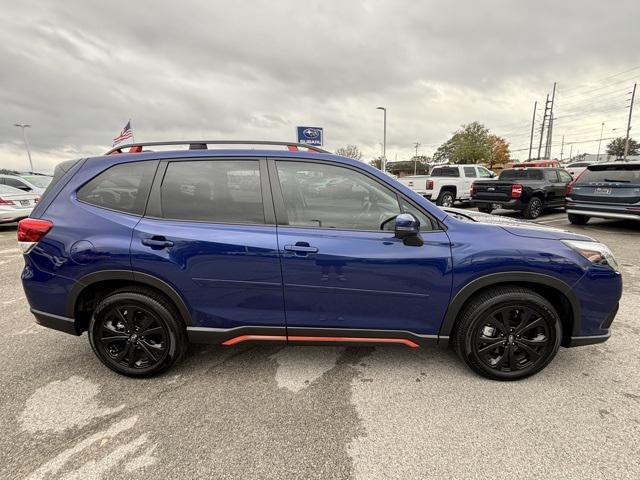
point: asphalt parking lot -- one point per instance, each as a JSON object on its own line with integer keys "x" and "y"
{"x": 318, "y": 412}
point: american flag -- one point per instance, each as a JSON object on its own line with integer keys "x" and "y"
{"x": 126, "y": 133}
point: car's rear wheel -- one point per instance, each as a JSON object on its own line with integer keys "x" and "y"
{"x": 445, "y": 199}
{"x": 533, "y": 208}
{"x": 578, "y": 219}
{"x": 137, "y": 332}
{"x": 508, "y": 333}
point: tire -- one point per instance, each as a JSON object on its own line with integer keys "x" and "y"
{"x": 137, "y": 332}
{"x": 533, "y": 208}
{"x": 446, "y": 199}
{"x": 489, "y": 321}
{"x": 578, "y": 219}
{"x": 485, "y": 209}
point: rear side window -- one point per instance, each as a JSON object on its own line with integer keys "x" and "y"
{"x": 124, "y": 187}
{"x": 551, "y": 175}
{"x": 445, "y": 172}
{"x": 15, "y": 183}
{"x": 470, "y": 172}
{"x": 218, "y": 191}
{"x": 58, "y": 173}
{"x": 520, "y": 174}
{"x": 623, "y": 173}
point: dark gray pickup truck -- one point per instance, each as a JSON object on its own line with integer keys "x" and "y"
{"x": 529, "y": 190}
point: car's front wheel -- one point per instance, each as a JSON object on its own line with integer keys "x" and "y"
{"x": 136, "y": 332}
{"x": 508, "y": 333}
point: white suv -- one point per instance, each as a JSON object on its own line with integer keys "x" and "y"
{"x": 447, "y": 183}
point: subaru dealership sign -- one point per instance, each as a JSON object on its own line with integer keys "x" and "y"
{"x": 310, "y": 136}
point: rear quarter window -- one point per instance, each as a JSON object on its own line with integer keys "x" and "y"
{"x": 124, "y": 187}
{"x": 445, "y": 172}
{"x": 520, "y": 174}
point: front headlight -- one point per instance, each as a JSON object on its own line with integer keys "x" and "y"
{"x": 595, "y": 252}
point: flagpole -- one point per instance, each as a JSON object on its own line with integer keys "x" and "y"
{"x": 133, "y": 138}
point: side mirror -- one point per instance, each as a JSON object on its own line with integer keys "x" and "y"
{"x": 406, "y": 225}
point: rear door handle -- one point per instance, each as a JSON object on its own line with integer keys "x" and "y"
{"x": 157, "y": 242}
{"x": 301, "y": 247}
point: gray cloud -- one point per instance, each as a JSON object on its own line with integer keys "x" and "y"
{"x": 78, "y": 70}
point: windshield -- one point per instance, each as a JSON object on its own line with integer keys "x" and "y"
{"x": 612, "y": 173}
{"x": 40, "y": 181}
{"x": 521, "y": 174}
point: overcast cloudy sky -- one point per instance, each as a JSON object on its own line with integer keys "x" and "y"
{"x": 78, "y": 70}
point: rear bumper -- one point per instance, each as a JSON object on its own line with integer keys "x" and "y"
{"x": 14, "y": 215}
{"x": 56, "y": 322}
{"x": 590, "y": 340}
{"x": 514, "y": 204}
{"x": 602, "y": 211}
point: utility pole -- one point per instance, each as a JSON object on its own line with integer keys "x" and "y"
{"x": 533, "y": 121}
{"x": 547, "y": 152}
{"x": 26, "y": 142}
{"x": 415, "y": 159}
{"x": 383, "y": 163}
{"x": 626, "y": 142}
{"x": 600, "y": 142}
{"x": 571, "y": 153}
{"x": 562, "y": 148}
{"x": 544, "y": 119}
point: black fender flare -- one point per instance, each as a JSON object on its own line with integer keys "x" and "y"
{"x": 128, "y": 276}
{"x": 466, "y": 292}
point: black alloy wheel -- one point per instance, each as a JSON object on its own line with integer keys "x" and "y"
{"x": 533, "y": 209}
{"x": 508, "y": 333}
{"x": 512, "y": 338}
{"x": 136, "y": 333}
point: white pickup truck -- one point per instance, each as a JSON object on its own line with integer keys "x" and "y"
{"x": 447, "y": 183}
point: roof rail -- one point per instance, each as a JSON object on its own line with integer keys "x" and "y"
{"x": 202, "y": 145}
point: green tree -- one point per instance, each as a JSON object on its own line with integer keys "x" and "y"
{"x": 350, "y": 151}
{"x": 472, "y": 144}
{"x": 616, "y": 147}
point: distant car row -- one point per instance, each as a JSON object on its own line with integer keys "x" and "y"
{"x": 19, "y": 194}
{"x": 605, "y": 190}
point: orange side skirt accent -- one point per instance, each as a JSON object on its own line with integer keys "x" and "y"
{"x": 247, "y": 338}
{"x": 296, "y": 338}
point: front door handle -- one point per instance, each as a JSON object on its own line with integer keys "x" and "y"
{"x": 301, "y": 247}
{"x": 157, "y": 242}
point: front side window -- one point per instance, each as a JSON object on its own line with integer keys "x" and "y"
{"x": 565, "y": 176}
{"x": 328, "y": 196}
{"x": 470, "y": 172}
{"x": 218, "y": 191}
{"x": 124, "y": 187}
{"x": 483, "y": 172}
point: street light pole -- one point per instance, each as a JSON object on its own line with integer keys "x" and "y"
{"x": 415, "y": 159}
{"x": 26, "y": 142}
{"x": 383, "y": 163}
{"x": 600, "y": 142}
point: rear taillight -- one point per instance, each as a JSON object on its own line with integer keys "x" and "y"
{"x": 31, "y": 231}
{"x": 572, "y": 183}
{"x": 36, "y": 200}
{"x": 429, "y": 184}
{"x": 6, "y": 202}
{"x": 472, "y": 190}
{"x": 516, "y": 190}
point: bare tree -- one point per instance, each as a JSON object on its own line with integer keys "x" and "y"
{"x": 350, "y": 151}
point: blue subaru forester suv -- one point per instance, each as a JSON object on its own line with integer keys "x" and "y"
{"x": 150, "y": 250}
